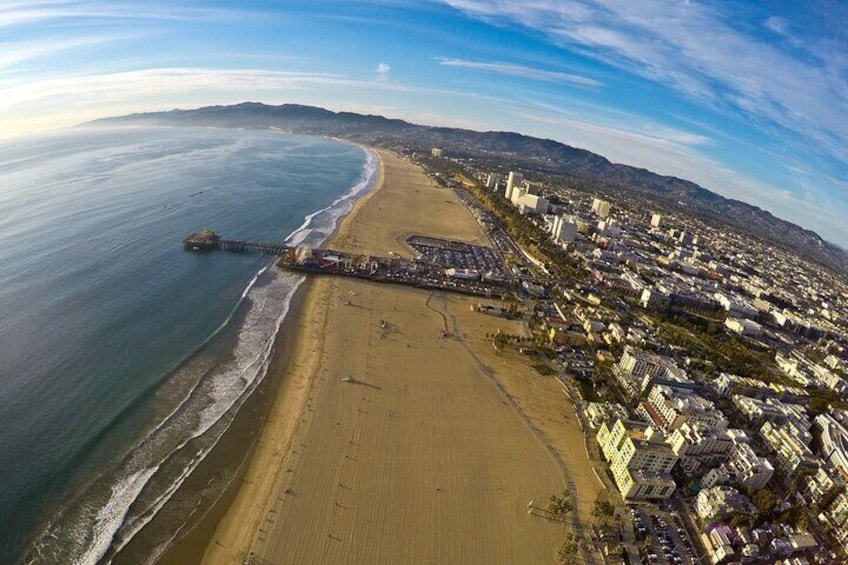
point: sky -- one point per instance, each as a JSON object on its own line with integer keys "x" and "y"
{"x": 748, "y": 99}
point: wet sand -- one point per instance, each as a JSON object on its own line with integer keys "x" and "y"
{"x": 434, "y": 449}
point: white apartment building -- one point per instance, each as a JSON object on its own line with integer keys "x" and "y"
{"x": 655, "y": 220}
{"x": 636, "y": 364}
{"x": 639, "y": 459}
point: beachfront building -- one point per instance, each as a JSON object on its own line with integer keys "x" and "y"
{"x": 599, "y": 412}
{"x": 639, "y": 459}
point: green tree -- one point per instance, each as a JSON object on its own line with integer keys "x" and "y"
{"x": 765, "y": 501}
{"x": 569, "y": 548}
{"x": 560, "y": 506}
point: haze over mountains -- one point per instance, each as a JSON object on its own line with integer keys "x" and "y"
{"x": 520, "y": 151}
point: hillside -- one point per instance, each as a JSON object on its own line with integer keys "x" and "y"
{"x": 543, "y": 155}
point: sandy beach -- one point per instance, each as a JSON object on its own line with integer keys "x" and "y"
{"x": 433, "y": 451}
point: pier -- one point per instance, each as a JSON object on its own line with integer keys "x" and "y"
{"x": 208, "y": 240}
{"x": 422, "y": 273}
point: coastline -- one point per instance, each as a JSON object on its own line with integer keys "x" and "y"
{"x": 434, "y": 437}
{"x": 231, "y": 459}
{"x": 437, "y": 436}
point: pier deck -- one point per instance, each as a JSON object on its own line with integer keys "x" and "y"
{"x": 208, "y": 240}
{"x": 422, "y": 273}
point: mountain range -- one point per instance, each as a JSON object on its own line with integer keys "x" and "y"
{"x": 519, "y": 151}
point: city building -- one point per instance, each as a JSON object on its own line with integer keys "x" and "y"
{"x": 601, "y": 207}
{"x": 639, "y": 459}
{"x": 719, "y": 502}
{"x": 743, "y": 467}
{"x": 823, "y": 486}
{"x": 697, "y": 446}
{"x": 655, "y": 220}
{"x": 436, "y": 152}
{"x": 492, "y": 180}
{"x": 790, "y": 447}
{"x": 513, "y": 183}
{"x": 834, "y": 439}
{"x": 532, "y": 202}
{"x": 564, "y": 229}
{"x": 668, "y": 408}
{"x": 836, "y": 518}
{"x": 743, "y": 326}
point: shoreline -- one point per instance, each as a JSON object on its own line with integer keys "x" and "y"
{"x": 433, "y": 437}
{"x": 231, "y": 459}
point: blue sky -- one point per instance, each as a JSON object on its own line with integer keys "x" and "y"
{"x": 749, "y": 99}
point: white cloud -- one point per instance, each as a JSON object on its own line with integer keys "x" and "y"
{"x": 521, "y": 71}
{"x": 699, "y": 50}
{"x": 382, "y": 71}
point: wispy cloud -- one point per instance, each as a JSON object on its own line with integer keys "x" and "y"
{"x": 697, "y": 49}
{"x": 778, "y": 25}
{"x": 19, "y": 13}
{"x": 520, "y": 71}
{"x": 13, "y": 53}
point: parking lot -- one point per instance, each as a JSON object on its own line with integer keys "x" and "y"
{"x": 459, "y": 255}
{"x": 663, "y": 533}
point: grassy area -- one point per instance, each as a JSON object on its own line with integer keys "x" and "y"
{"x": 543, "y": 369}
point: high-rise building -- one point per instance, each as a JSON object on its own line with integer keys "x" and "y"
{"x": 564, "y": 229}
{"x": 436, "y": 152}
{"x": 601, "y": 207}
{"x": 492, "y": 180}
{"x": 512, "y": 183}
{"x": 655, "y": 220}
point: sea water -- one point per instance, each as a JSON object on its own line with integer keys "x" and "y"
{"x": 124, "y": 358}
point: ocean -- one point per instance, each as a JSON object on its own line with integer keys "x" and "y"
{"x": 123, "y": 358}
